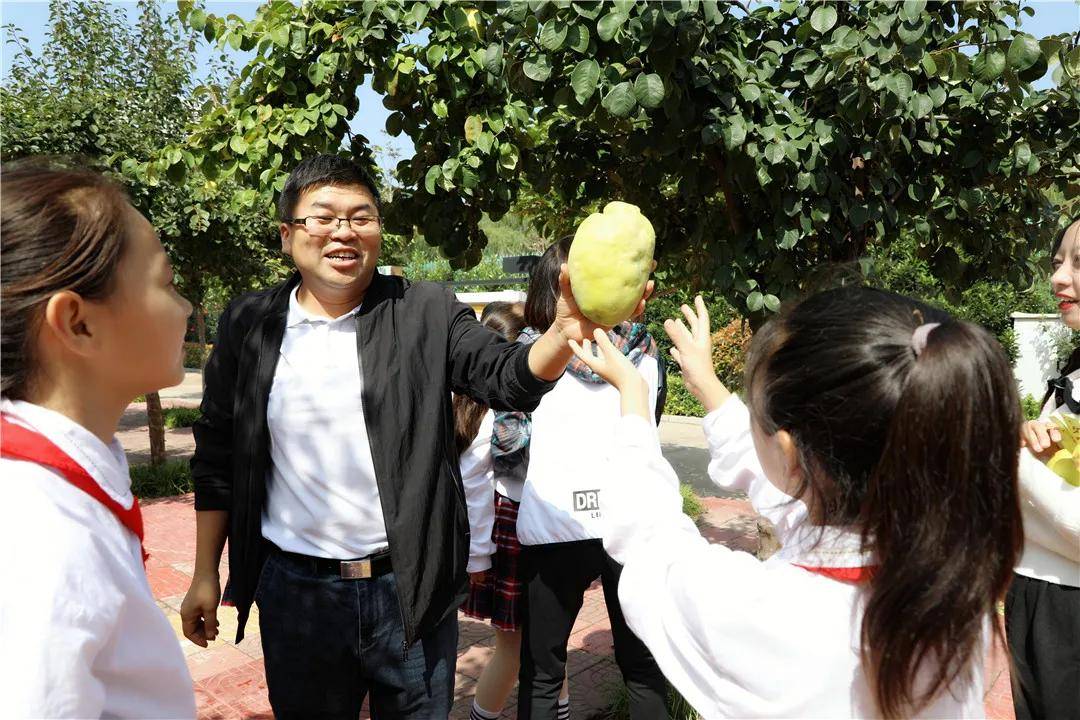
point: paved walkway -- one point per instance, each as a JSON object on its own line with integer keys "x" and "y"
{"x": 229, "y": 678}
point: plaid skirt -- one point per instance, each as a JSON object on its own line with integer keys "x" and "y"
{"x": 498, "y": 596}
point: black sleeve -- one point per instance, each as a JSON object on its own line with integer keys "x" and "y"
{"x": 211, "y": 465}
{"x": 488, "y": 368}
{"x": 661, "y": 387}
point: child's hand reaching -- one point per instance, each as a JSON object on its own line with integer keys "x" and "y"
{"x": 693, "y": 352}
{"x": 617, "y": 370}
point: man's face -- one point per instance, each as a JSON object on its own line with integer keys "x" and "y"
{"x": 331, "y": 255}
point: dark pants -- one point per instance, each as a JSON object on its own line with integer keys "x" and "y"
{"x": 328, "y": 642}
{"x": 556, "y": 578}
{"x": 1042, "y": 623}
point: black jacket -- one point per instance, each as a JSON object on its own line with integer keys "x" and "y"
{"x": 416, "y": 343}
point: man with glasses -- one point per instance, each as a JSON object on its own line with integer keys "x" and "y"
{"x": 325, "y": 456}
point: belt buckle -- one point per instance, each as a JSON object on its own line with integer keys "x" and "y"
{"x": 356, "y": 569}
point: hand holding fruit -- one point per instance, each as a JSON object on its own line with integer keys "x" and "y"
{"x": 693, "y": 352}
{"x": 571, "y": 323}
{"x": 1041, "y": 438}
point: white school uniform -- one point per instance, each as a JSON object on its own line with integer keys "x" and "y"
{"x": 1051, "y": 511}
{"x": 82, "y": 634}
{"x": 736, "y": 636}
{"x": 477, "y": 478}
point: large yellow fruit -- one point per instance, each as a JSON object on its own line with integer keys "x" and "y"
{"x": 610, "y": 261}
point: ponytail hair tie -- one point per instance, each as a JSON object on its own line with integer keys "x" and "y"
{"x": 920, "y": 336}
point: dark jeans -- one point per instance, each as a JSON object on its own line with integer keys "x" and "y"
{"x": 328, "y": 642}
{"x": 1042, "y": 623}
{"x": 556, "y": 577}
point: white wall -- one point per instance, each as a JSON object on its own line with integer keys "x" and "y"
{"x": 1036, "y": 363}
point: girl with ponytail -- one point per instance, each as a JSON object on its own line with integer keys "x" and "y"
{"x": 1042, "y": 609}
{"x": 886, "y": 435}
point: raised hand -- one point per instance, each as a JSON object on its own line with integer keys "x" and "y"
{"x": 693, "y": 352}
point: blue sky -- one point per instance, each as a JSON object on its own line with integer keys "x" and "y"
{"x": 1051, "y": 17}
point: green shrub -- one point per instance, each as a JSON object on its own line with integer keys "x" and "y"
{"x": 1031, "y": 407}
{"x": 679, "y": 400}
{"x": 173, "y": 477}
{"x": 181, "y": 417}
{"x": 692, "y": 506}
{"x": 195, "y": 354}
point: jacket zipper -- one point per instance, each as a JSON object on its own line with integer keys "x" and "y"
{"x": 382, "y": 495}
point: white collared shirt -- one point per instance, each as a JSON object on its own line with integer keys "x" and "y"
{"x": 736, "y": 636}
{"x": 81, "y": 633}
{"x": 322, "y": 498}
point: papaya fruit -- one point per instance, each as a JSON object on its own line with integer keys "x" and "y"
{"x": 609, "y": 262}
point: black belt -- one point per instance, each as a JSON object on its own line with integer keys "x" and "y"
{"x": 359, "y": 569}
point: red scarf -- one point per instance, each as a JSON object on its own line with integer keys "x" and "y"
{"x": 856, "y": 575}
{"x": 20, "y": 443}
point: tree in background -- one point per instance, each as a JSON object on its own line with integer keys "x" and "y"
{"x": 761, "y": 144}
{"x": 111, "y": 95}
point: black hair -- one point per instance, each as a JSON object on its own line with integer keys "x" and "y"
{"x": 1072, "y": 363}
{"x": 543, "y": 292}
{"x": 917, "y": 451}
{"x": 319, "y": 171}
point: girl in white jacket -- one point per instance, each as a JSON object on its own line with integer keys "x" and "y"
{"x": 91, "y": 318}
{"x": 1042, "y": 610}
{"x": 896, "y": 427}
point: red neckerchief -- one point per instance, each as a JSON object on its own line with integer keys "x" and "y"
{"x": 856, "y": 575}
{"x": 20, "y": 443}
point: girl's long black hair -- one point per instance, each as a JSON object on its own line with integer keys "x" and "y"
{"x": 918, "y": 453}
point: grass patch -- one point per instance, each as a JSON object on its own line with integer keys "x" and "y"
{"x": 181, "y": 417}
{"x": 692, "y": 506}
{"x": 678, "y": 708}
{"x": 173, "y": 477}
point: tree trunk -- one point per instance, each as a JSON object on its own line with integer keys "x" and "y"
{"x": 156, "y": 421}
{"x": 200, "y": 334}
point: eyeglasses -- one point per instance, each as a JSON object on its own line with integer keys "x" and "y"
{"x": 327, "y": 224}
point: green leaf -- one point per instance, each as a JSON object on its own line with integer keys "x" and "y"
{"x": 577, "y": 38}
{"x": 584, "y": 78}
{"x": 649, "y": 90}
{"x": 620, "y": 100}
{"x": 900, "y": 84}
{"x": 755, "y": 300}
{"x": 316, "y": 73}
{"x": 538, "y": 68}
{"x": 553, "y": 34}
{"x": 197, "y": 20}
{"x": 989, "y": 64}
{"x": 238, "y": 145}
{"x": 929, "y": 66}
{"x": 910, "y": 32}
{"x": 493, "y": 58}
{"x": 823, "y": 18}
{"x": 912, "y": 9}
{"x": 474, "y": 125}
{"x": 859, "y": 215}
{"x": 772, "y": 303}
{"x": 508, "y": 156}
{"x": 434, "y": 55}
{"x": 1071, "y": 62}
{"x": 1024, "y": 52}
{"x": 434, "y": 174}
{"x": 393, "y": 124}
{"x": 279, "y": 35}
{"x": 734, "y": 132}
{"x": 609, "y": 25}
{"x": 440, "y": 109}
{"x": 1023, "y": 153}
{"x": 774, "y": 152}
{"x": 484, "y": 142}
{"x": 922, "y": 105}
{"x": 790, "y": 239}
{"x": 750, "y": 93}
